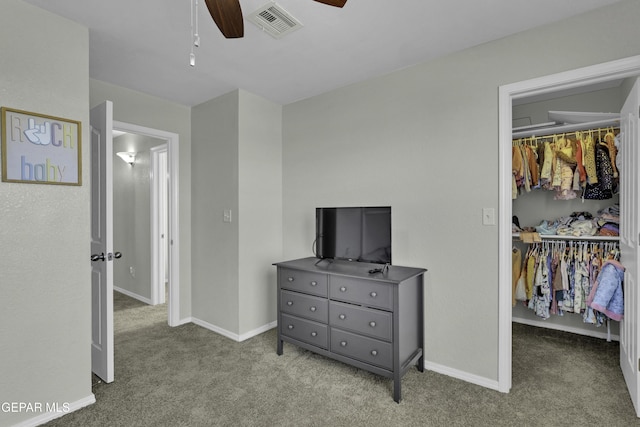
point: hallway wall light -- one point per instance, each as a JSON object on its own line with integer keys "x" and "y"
{"x": 127, "y": 156}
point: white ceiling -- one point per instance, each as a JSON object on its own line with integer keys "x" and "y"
{"x": 145, "y": 44}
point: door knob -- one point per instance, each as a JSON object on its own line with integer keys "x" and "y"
{"x": 96, "y": 257}
{"x": 111, "y": 256}
{"x": 101, "y": 257}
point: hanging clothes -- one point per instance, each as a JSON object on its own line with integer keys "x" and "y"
{"x": 582, "y": 172}
{"x": 604, "y": 187}
{"x": 590, "y": 159}
{"x": 564, "y": 277}
{"x": 567, "y": 164}
{"x": 516, "y": 264}
{"x": 606, "y": 295}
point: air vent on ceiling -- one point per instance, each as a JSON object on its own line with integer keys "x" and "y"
{"x": 273, "y": 19}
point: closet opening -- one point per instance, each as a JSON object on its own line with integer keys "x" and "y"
{"x": 595, "y": 89}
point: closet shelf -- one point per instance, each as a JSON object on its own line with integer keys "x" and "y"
{"x": 529, "y": 131}
{"x": 582, "y": 238}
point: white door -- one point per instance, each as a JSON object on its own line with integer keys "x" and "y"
{"x": 629, "y": 218}
{"x": 102, "y": 241}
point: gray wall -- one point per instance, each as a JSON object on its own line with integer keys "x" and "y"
{"x": 215, "y": 171}
{"x": 132, "y": 215}
{"x": 237, "y": 166}
{"x": 260, "y": 209}
{"x": 45, "y": 291}
{"x": 143, "y": 110}
{"x": 425, "y": 141}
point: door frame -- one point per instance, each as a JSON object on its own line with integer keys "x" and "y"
{"x": 564, "y": 81}
{"x": 158, "y": 212}
{"x": 173, "y": 202}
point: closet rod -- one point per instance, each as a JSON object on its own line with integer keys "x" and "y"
{"x": 565, "y": 128}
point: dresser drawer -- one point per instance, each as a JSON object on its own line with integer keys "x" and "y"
{"x": 365, "y": 292}
{"x": 314, "y": 308}
{"x": 304, "y": 330}
{"x": 368, "y": 321}
{"x": 365, "y": 349}
{"x": 304, "y": 281}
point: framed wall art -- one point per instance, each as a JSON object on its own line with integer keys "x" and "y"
{"x": 40, "y": 149}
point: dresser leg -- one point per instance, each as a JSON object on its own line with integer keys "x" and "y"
{"x": 396, "y": 388}
{"x": 279, "y": 347}
{"x": 420, "y": 364}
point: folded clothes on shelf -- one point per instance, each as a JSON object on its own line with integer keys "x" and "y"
{"x": 578, "y": 224}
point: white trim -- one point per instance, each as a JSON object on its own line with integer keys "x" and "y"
{"x": 216, "y": 329}
{"x": 258, "y": 331}
{"x": 591, "y": 75}
{"x": 157, "y": 283}
{"x": 184, "y": 321}
{"x": 132, "y": 295}
{"x": 49, "y": 416}
{"x": 174, "y": 224}
{"x": 231, "y": 335}
{"x": 504, "y": 221}
{"x": 462, "y": 375}
{"x": 572, "y": 329}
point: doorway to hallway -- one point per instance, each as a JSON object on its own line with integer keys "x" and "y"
{"x": 154, "y": 212}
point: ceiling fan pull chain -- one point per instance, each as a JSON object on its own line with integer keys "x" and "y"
{"x": 195, "y": 36}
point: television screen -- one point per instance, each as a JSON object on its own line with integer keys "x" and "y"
{"x": 354, "y": 234}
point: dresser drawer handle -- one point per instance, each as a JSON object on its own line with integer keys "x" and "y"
{"x": 314, "y": 334}
{"x": 372, "y": 324}
{"x": 314, "y": 283}
{"x": 373, "y": 294}
{"x": 313, "y": 308}
{"x": 342, "y": 317}
{"x": 343, "y": 289}
{"x": 289, "y": 303}
{"x": 291, "y": 279}
{"x": 343, "y": 343}
{"x": 374, "y": 353}
{"x": 290, "y": 326}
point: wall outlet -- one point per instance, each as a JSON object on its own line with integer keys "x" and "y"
{"x": 132, "y": 271}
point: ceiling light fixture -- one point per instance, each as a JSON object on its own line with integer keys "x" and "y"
{"x": 127, "y": 156}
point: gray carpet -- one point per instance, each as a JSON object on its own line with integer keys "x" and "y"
{"x": 190, "y": 376}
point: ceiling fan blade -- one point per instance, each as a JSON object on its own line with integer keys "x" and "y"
{"x": 227, "y": 15}
{"x": 336, "y": 3}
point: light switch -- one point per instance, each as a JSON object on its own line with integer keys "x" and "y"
{"x": 488, "y": 216}
{"x": 226, "y": 216}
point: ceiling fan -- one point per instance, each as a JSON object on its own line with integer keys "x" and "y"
{"x": 227, "y": 15}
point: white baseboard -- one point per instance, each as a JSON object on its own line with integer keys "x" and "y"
{"x": 258, "y": 331}
{"x": 183, "y": 321}
{"x": 231, "y": 335}
{"x": 133, "y": 295}
{"x": 462, "y": 375}
{"x": 64, "y": 409}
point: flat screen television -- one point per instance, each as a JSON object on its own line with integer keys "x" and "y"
{"x": 354, "y": 234}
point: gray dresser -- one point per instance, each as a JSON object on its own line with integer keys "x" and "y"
{"x": 338, "y": 309}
